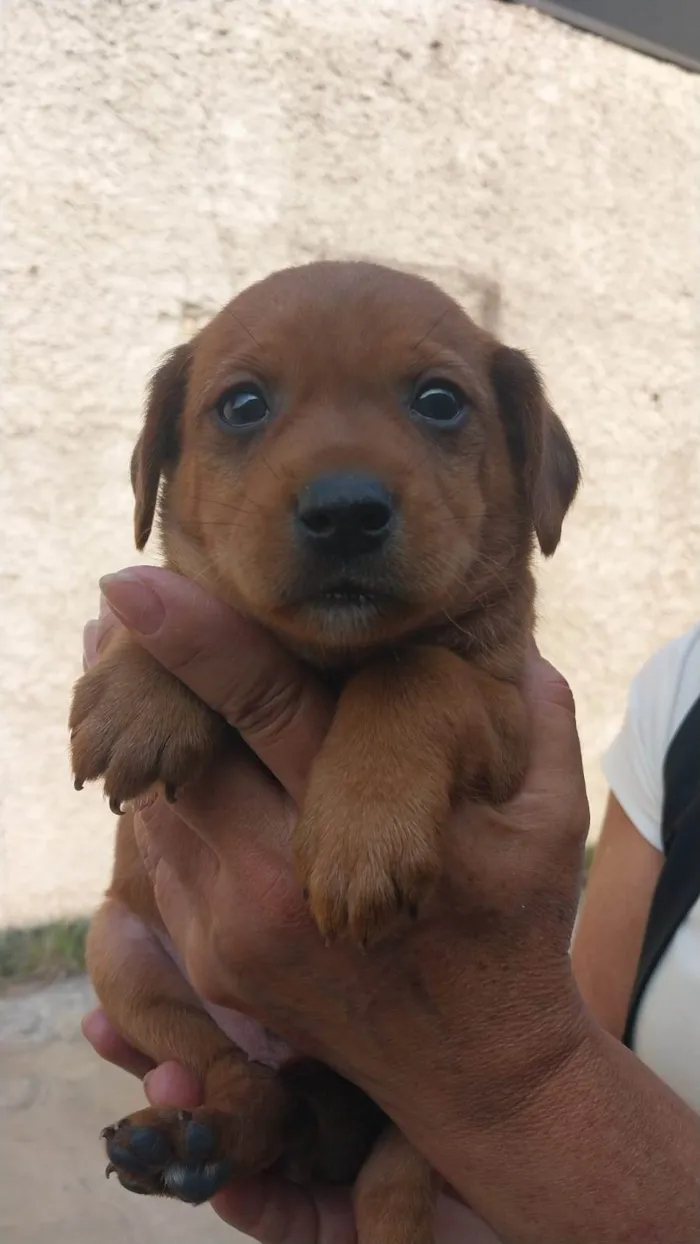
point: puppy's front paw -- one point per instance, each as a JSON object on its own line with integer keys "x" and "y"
{"x": 366, "y": 865}
{"x": 136, "y": 727}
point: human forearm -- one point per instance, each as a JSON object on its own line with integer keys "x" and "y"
{"x": 603, "y": 1153}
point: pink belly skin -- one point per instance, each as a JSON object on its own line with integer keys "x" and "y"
{"x": 261, "y": 1045}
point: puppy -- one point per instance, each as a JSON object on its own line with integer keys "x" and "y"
{"x": 344, "y": 456}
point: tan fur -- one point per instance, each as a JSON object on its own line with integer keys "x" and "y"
{"x": 431, "y": 704}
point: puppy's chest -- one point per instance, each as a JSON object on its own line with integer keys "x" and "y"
{"x": 335, "y": 669}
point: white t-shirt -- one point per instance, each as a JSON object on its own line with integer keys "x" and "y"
{"x": 667, "y": 1032}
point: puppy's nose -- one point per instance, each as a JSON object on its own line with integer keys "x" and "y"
{"x": 344, "y": 515}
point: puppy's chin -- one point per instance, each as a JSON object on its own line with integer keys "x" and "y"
{"x": 341, "y": 624}
{"x": 331, "y": 620}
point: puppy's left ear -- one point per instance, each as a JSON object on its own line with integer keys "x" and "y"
{"x": 544, "y": 457}
{"x": 158, "y": 445}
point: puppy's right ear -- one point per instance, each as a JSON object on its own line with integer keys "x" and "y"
{"x": 158, "y": 445}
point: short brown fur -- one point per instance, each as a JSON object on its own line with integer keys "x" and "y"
{"x": 430, "y": 660}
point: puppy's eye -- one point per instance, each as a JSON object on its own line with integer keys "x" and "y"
{"x": 242, "y": 407}
{"x": 440, "y": 402}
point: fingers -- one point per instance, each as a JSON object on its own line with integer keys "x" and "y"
{"x": 555, "y": 740}
{"x": 556, "y": 767}
{"x": 456, "y": 1224}
{"x": 161, "y": 834}
{"x": 231, "y": 664}
{"x": 181, "y": 867}
{"x": 95, "y": 632}
{"x": 275, "y": 1212}
{"x": 173, "y": 1085}
{"x": 545, "y": 685}
{"x": 167, "y": 1085}
{"x": 110, "y": 1046}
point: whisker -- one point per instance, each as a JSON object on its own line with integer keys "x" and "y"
{"x": 454, "y": 623}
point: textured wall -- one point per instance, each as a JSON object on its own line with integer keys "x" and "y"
{"x": 160, "y": 153}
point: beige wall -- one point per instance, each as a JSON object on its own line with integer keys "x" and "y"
{"x": 160, "y": 153}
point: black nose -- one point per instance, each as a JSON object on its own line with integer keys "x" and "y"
{"x": 344, "y": 515}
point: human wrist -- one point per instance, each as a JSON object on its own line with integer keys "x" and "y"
{"x": 488, "y": 1068}
{"x": 480, "y": 1127}
{"x": 602, "y": 1150}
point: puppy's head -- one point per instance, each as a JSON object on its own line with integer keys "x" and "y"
{"x": 348, "y": 458}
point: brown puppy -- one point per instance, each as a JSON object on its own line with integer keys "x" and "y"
{"x": 346, "y": 457}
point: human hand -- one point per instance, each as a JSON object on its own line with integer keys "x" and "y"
{"x": 269, "y": 1210}
{"x": 491, "y": 956}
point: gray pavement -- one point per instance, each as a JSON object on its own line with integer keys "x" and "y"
{"x": 55, "y": 1096}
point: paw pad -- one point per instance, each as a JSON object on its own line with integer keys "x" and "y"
{"x": 177, "y": 1155}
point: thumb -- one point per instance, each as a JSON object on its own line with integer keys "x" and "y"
{"x": 231, "y": 664}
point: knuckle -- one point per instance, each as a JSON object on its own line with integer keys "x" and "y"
{"x": 580, "y": 815}
{"x": 268, "y": 710}
{"x": 107, "y": 625}
{"x": 187, "y": 659}
{"x": 560, "y": 693}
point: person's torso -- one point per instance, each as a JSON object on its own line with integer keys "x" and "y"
{"x": 667, "y": 1031}
{"x": 667, "y": 1026}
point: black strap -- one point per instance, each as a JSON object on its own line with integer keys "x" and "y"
{"x": 678, "y": 887}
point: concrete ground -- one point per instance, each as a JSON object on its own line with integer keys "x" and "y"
{"x": 55, "y": 1096}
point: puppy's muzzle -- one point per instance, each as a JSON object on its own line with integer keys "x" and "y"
{"x": 344, "y": 516}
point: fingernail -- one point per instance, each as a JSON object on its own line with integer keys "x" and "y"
{"x": 90, "y": 643}
{"x": 147, "y": 1080}
{"x": 144, "y": 802}
{"x": 134, "y": 602}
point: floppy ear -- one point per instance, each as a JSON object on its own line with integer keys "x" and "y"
{"x": 157, "y": 446}
{"x": 543, "y": 454}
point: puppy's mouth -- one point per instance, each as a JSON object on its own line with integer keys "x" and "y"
{"x": 347, "y": 594}
{"x": 344, "y": 609}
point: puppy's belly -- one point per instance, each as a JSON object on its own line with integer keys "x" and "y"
{"x": 260, "y": 1045}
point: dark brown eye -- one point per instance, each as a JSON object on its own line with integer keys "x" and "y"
{"x": 441, "y": 403}
{"x": 242, "y": 407}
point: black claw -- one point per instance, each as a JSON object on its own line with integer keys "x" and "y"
{"x": 115, "y": 805}
{"x": 184, "y": 1116}
{"x": 78, "y": 785}
{"x": 171, "y": 792}
{"x": 109, "y": 1170}
{"x": 107, "y": 1132}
